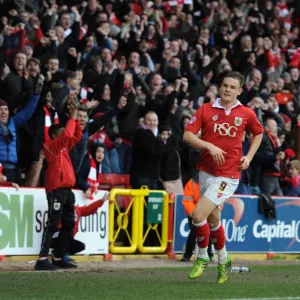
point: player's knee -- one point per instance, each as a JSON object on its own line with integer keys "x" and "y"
{"x": 213, "y": 223}
{"x": 198, "y": 218}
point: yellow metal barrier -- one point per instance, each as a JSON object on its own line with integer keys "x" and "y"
{"x": 163, "y": 237}
{"x": 122, "y": 220}
{"x": 136, "y": 237}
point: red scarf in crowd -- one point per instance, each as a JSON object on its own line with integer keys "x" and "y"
{"x": 94, "y": 177}
{"x": 1, "y": 169}
{"x": 48, "y": 121}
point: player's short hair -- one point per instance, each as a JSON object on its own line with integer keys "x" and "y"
{"x": 236, "y": 75}
{"x": 54, "y": 129}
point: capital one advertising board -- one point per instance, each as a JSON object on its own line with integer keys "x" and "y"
{"x": 23, "y": 216}
{"x": 248, "y": 231}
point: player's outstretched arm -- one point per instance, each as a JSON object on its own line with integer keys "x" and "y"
{"x": 216, "y": 152}
{"x": 255, "y": 143}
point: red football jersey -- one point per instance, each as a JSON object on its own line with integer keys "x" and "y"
{"x": 225, "y": 130}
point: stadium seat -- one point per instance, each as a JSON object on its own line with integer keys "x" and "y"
{"x": 126, "y": 180}
{"x": 110, "y": 181}
{"x": 121, "y": 181}
{"x": 106, "y": 182}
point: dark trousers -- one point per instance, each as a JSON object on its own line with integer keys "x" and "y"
{"x": 60, "y": 208}
{"x": 243, "y": 189}
{"x": 270, "y": 185}
{"x": 125, "y": 157}
{"x": 137, "y": 182}
{"x": 13, "y": 175}
{"x": 191, "y": 241}
{"x": 75, "y": 246}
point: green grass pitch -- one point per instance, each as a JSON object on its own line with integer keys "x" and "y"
{"x": 265, "y": 281}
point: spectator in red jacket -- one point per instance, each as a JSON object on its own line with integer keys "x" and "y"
{"x": 80, "y": 211}
{"x": 60, "y": 178}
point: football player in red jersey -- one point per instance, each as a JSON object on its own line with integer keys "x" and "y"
{"x": 222, "y": 124}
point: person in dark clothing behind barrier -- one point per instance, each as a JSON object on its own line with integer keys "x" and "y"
{"x": 269, "y": 155}
{"x": 189, "y": 158}
{"x": 60, "y": 178}
{"x": 244, "y": 184}
{"x": 147, "y": 151}
{"x": 170, "y": 171}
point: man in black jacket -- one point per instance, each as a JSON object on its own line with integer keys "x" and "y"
{"x": 148, "y": 150}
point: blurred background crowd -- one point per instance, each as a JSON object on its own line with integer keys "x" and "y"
{"x": 138, "y": 70}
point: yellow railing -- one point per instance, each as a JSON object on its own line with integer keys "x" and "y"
{"x": 135, "y": 211}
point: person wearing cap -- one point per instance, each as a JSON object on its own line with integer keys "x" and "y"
{"x": 8, "y": 133}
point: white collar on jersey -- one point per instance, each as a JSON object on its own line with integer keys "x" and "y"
{"x": 227, "y": 111}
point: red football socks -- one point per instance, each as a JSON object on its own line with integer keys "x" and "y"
{"x": 202, "y": 234}
{"x": 217, "y": 236}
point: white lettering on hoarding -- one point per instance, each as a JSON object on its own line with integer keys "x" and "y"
{"x": 278, "y": 230}
{"x": 234, "y": 233}
{"x": 23, "y": 217}
{"x": 183, "y": 232}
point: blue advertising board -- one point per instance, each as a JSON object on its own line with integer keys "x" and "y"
{"x": 248, "y": 231}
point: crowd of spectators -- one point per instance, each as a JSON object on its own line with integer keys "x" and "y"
{"x": 138, "y": 70}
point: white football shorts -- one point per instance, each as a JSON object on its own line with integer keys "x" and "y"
{"x": 217, "y": 189}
